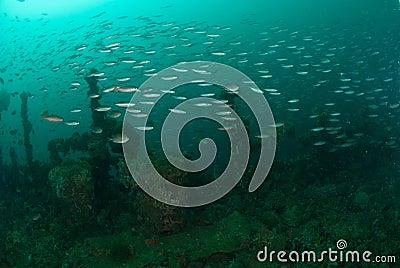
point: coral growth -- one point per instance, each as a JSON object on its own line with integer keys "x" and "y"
{"x": 73, "y": 184}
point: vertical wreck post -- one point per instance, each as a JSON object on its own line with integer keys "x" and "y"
{"x": 98, "y": 118}
{"x": 1, "y": 166}
{"x": 100, "y": 157}
{"x": 27, "y": 127}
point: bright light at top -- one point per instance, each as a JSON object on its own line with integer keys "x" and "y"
{"x": 34, "y": 8}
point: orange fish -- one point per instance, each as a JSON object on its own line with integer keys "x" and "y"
{"x": 53, "y": 118}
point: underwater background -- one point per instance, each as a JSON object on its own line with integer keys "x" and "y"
{"x": 329, "y": 70}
